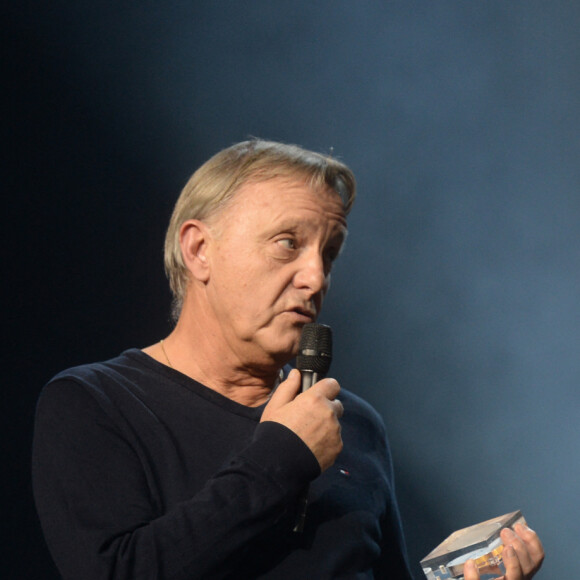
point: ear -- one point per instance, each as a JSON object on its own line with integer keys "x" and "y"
{"x": 193, "y": 239}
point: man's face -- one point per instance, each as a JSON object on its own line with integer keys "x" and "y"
{"x": 270, "y": 263}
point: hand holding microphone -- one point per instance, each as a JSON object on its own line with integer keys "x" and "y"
{"x": 314, "y": 413}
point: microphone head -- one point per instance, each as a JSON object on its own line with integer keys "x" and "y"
{"x": 315, "y": 348}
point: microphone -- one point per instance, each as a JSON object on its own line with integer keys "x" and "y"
{"x": 314, "y": 353}
{"x": 313, "y": 361}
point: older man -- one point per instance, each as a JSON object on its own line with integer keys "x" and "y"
{"x": 188, "y": 459}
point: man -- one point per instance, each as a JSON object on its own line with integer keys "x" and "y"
{"x": 188, "y": 459}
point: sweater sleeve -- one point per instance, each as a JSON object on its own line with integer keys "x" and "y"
{"x": 101, "y": 521}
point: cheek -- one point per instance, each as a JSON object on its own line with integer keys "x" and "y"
{"x": 234, "y": 271}
{"x": 252, "y": 282}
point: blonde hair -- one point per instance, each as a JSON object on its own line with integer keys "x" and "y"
{"x": 214, "y": 184}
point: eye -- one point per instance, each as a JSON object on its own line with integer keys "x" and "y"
{"x": 287, "y": 243}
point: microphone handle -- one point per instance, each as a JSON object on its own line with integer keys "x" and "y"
{"x": 309, "y": 378}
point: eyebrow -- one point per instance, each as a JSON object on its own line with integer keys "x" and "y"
{"x": 292, "y": 224}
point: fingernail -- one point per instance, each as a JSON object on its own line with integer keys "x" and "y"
{"x": 470, "y": 565}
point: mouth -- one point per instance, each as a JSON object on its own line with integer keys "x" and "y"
{"x": 303, "y": 314}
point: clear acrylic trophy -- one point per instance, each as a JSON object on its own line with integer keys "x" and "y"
{"x": 480, "y": 542}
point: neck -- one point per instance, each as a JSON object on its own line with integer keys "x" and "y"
{"x": 205, "y": 357}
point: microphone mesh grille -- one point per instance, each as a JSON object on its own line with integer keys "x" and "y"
{"x": 315, "y": 349}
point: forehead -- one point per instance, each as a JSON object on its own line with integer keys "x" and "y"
{"x": 279, "y": 197}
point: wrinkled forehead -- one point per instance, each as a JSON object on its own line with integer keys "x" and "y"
{"x": 252, "y": 187}
{"x": 292, "y": 187}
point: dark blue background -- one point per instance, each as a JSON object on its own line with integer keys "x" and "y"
{"x": 455, "y": 305}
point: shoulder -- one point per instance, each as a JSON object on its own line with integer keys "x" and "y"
{"x": 112, "y": 396}
{"x": 358, "y": 407}
{"x": 98, "y": 382}
{"x": 364, "y": 436}
{"x": 128, "y": 361}
{"x": 362, "y": 424}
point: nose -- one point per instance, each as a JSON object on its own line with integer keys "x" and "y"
{"x": 311, "y": 274}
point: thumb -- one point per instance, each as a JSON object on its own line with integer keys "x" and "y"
{"x": 284, "y": 394}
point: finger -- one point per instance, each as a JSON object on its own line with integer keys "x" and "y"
{"x": 527, "y": 546}
{"x": 327, "y": 387}
{"x": 338, "y": 408}
{"x": 510, "y": 538}
{"x": 513, "y": 568}
{"x": 533, "y": 545}
{"x": 470, "y": 571}
{"x": 284, "y": 393}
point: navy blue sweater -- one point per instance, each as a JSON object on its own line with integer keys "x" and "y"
{"x": 141, "y": 472}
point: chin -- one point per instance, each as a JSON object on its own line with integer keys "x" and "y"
{"x": 279, "y": 343}
{"x": 284, "y": 353}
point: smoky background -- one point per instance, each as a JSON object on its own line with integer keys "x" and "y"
{"x": 454, "y": 306}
